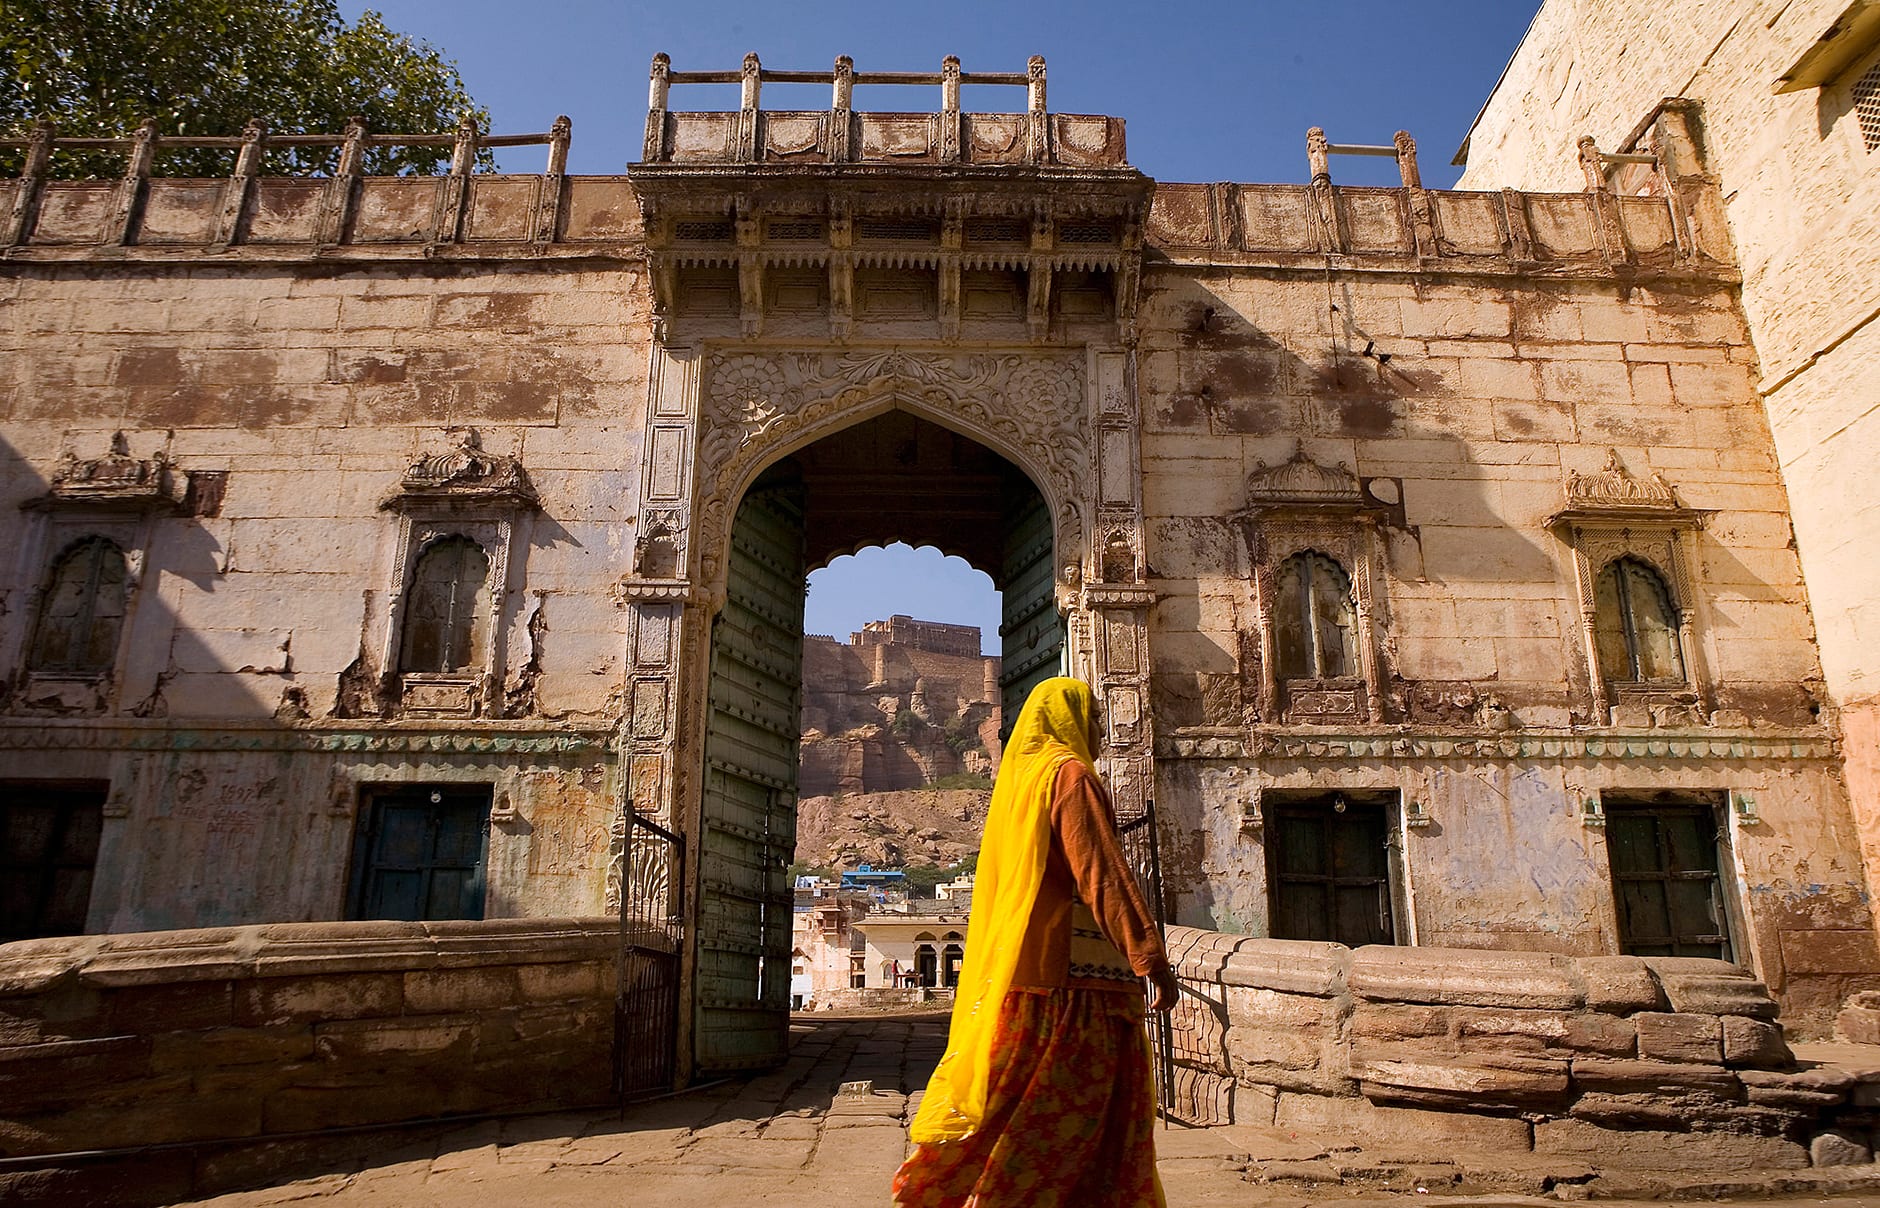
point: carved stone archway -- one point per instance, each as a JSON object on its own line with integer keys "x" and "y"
{"x": 719, "y": 415}
{"x": 756, "y": 407}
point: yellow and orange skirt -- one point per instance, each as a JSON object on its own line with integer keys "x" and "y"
{"x": 1070, "y": 1113}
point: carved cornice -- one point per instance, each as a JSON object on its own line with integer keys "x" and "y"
{"x": 116, "y": 481}
{"x": 464, "y": 474}
{"x": 654, "y": 591}
{"x": 1615, "y": 494}
{"x": 1118, "y": 595}
{"x": 1734, "y": 746}
{"x": 1302, "y": 481}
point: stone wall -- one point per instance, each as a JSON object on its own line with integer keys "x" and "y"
{"x": 1803, "y": 205}
{"x": 247, "y": 713}
{"x": 1447, "y": 369}
{"x": 1494, "y": 394}
{"x": 251, "y": 1033}
{"x": 1626, "y": 1060}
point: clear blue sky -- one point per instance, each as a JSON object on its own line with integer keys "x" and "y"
{"x": 1221, "y": 91}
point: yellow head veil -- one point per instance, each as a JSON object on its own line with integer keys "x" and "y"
{"x": 1053, "y": 727}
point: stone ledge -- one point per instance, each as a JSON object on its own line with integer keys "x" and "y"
{"x": 151, "y": 958}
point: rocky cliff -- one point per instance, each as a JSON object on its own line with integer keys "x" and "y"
{"x": 891, "y": 830}
{"x": 901, "y": 705}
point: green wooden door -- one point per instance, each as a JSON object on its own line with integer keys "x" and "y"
{"x": 1030, "y": 630}
{"x": 748, "y": 824}
{"x": 1666, "y": 881}
{"x": 419, "y": 853}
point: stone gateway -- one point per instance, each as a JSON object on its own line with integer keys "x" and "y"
{"x": 433, "y": 548}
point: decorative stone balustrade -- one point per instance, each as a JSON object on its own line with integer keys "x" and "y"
{"x": 1632, "y": 1060}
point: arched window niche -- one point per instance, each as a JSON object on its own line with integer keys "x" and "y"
{"x": 1314, "y": 619}
{"x": 463, "y": 515}
{"x": 1631, "y": 541}
{"x": 447, "y": 609}
{"x": 1312, "y": 539}
{"x": 87, "y": 541}
{"x": 81, "y": 611}
{"x": 1635, "y": 625}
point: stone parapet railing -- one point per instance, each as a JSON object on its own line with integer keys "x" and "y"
{"x": 1629, "y": 1060}
{"x": 1560, "y": 234}
{"x": 250, "y": 1033}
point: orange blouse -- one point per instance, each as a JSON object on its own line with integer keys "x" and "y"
{"x": 1086, "y": 867}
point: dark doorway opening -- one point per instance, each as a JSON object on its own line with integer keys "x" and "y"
{"x": 1329, "y": 867}
{"x": 49, "y": 834}
{"x": 419, "y": 853}
{"x": 1667, "y": 888}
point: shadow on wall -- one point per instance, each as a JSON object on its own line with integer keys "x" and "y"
{"x": 215, "y": 798}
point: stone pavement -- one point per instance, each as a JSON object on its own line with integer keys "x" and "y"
{"x": 793, "y": 1138}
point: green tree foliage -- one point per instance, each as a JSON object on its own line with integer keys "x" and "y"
{"x": 922, "y": 878}
{"x": 98, "y": 68}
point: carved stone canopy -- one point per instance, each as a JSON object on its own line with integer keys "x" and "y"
{"x": 463, "y": 472}
{"x": 1302, "y": 482}
{"x": 1614, "y": 493}
{"x": 116, "y": 480}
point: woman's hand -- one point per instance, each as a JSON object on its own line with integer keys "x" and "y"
{"x": 1165, "y": 987}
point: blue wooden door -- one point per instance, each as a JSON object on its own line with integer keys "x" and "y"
{"x": 419, "y": 853}
{"x": 748, "y": 820}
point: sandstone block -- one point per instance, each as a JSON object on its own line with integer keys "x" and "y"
{"x": 1812, "y": 1090}
{"x": 1418, "y": 1074}
{"x": 1679, "y": 1037}
{"x": 1654, "y": 1077}
{"x": 31, "y": 967}
{"x": 1471, "y": 978}
{"x": 1200, "y": 1029}
{"x": 1754, "y": 1042}
{"x": 279, "y": 1000}
{"x": 1708, "y": 987}
{"x": 215, "y": 1048}
{"x": 444, "y": 990}
{"x": 1279, "y": 1057}
{"x": 1840, "y": 1147}
{"x": 71, "y": 1070}
{"x": 297, "y": 1109}
{"x": 1388, "y": 1022}
{"x": 437, "y": 1038}
{"x": 1643, "y": 1149}
{"x": 1858, "y": 1025}
{"x": 1291, "y": 966}
{"x": 1254, "y": 1104}
{"x": 1430, "y": 1130}
{"x": 540, "y": 983}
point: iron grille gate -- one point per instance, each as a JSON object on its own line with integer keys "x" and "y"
{"x": 652, "y": 931}
{"x": 1188, "y": 1090}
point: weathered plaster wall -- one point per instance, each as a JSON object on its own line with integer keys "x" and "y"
{"x": 1804, "y": 212}
{"x": 314, "y": 390}
{"x": 1554, "y": 335}
{"x": 1492, "y": 394}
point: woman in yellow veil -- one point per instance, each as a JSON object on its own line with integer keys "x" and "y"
{"x": 1045, "y": 1095}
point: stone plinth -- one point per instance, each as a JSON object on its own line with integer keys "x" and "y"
{"x": 252, "y": 1033}
{"x": 1639, "y": 1060}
